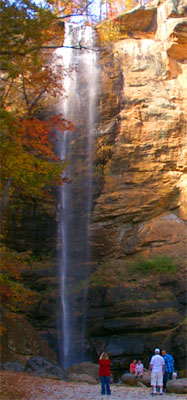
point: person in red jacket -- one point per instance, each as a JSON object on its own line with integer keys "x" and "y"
{"x": 104, "y": 373}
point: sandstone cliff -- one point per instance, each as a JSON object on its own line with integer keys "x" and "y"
{"x": 140, "y": 197}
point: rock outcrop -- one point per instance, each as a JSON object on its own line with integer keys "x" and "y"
{"x": 140, "y": 205}
{"x": 20, "y": 341}
{"x": 82, "y": 378}
{"x": 131, "y": 380}
{"x": 42, "y": 367}
{"x": 177, "y": 386}
{"x": 84, "y": 369}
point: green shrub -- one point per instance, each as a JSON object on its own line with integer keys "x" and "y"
{"x": 159, "y": 263}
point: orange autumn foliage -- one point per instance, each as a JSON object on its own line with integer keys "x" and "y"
{"x": 35, "y": 134}
{"x": 27, "y": 156}
{"x": 14, "y": 295}
{"x": 30, "y": 86}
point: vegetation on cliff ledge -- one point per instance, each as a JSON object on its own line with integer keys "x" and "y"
{"x": 119, "y": 272}
{"x": 160, "y": 263}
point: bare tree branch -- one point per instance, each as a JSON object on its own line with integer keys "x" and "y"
{"x": 79, "y": 47}
{"x": 36, "y": 100}
{"x": 24, "y": 92}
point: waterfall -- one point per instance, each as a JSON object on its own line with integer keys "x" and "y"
{"x": 78, "y": 105}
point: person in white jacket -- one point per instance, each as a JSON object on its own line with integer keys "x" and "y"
{"x": 156, "y": 369}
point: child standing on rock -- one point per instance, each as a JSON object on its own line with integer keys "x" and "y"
{"x": 104, "y": 373}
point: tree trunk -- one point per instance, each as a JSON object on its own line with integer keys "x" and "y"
{"x": 5, "y": 197}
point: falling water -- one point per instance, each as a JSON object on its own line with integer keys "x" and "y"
{"x": 79, "y": 107}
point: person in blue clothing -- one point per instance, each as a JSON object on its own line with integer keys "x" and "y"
{"x": 169, "y": 367}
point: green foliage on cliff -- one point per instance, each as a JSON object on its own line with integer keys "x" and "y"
{"x": 159, "y": 263}
{"x": 102, "y": 158}
{"x": 120, "y": 272}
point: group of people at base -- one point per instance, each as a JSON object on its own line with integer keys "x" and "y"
{"x": 137, "y": 368}
{"x": 161, "y": 368}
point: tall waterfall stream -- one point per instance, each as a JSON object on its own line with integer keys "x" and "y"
{"x": 78, "y": 106}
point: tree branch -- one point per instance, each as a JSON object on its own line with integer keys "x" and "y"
{"x": 74, "y": 15}
{"x": 36, "y": 100}
{"x": 24, "y": 92}
{"x": 80, "y": 47}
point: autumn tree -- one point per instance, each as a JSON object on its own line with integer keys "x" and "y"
{"x": 14, "y": 294}
{"x": 29, "y": 88}
{"x": 109, "y": 9}
{"x": 29, "y": 84}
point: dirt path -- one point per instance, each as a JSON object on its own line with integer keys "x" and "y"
{"x": 22, "y": 386}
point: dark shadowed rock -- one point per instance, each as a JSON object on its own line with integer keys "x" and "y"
{"x": 39, "y": 366}
{"x": 20, "y": 341}
{"x": 177, "y": 386}
{"x": 125, "y": 345}
{"x": 179, "y": 344}
{"x": 12, "y": 366}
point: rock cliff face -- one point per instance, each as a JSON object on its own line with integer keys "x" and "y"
{"x": 139, "y": 199}
{"x": 140, "y": 196}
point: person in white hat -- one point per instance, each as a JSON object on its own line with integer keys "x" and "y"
{"x": 156, "y": 369}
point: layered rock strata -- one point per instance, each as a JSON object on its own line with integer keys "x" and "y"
{"x": 140, "y": 196}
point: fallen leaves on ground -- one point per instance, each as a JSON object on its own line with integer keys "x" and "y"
{"x": 24, "y": 386}
{"x": 19, "y": 386}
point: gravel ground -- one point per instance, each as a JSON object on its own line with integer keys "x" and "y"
{"x": 24, "y": 386}
{"x": 89, "y": 392}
